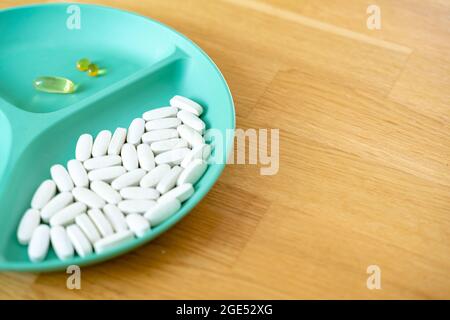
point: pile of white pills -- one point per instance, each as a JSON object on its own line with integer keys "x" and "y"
{"x": 119, "y": 185}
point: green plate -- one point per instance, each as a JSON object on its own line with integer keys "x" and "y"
{"x": 147, "y": 63}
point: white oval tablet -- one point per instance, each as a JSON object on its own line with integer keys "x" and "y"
{"x": 29, "y": 222}
{"x": 101, "y": 143}
{"x": 138, "y": 193}
{"x": 169, "y": 180}
{"x": 191, "y": 120}
{"x": 103, "y": 162}
{"x": 135, "y": 206}
{"x": 116, "y": 217}
{"x": 129, "y": 157}
{"x": 135, "y": 131}
{"x": 106, "y": 174}
{"x": 174, "y": 156}
{"x": 61, "y": 177}
{"x": 68, "y": 214}
{"x": 137, "y": 224}
{"x": 158, "y": 135}
{"x": 39, "y": 243}
{"x": 106, "y": 192}
{"x": 88, "y": 227}
{"x": 201, "y": 151}
{"x": 78, "y": 173}
{"x": 187, "y": 104}
{"x": 131, "y": 178}
{"x": 190, "y": 135}
{"x": 61, "y": 243}
{"x": 81, "y": 244}
{"x": 100, "y": 221}
{"x": 161, "y": 211}
{"x": 165, "y": 123}
{"x": 145, "y": 157}
{"x": 44, "y": 193}
{"x": 152, "y": 178}
{"x": 159, "y": 113}
{"x": 88, "y": 197}
{"x": 113, "y": 241}
{"x": 117, "y": 141}
{"x": 182, "y": 193}
{"x": 83, "y": 149}
{"x": 167, "y": 145}
{"x": 193, "y": 172}
{"x": 58, "y": 203}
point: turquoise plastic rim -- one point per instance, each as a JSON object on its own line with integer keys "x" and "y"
{"x": 146, "y": 63}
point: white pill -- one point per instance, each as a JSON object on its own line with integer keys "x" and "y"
{"x": 135, "y": 131}
{"x": 131, "y": 178}
{"x": 158, "y": 135}
{"x": 58, "y": 203}
{"x": 84, "y": 147}
{"x": 174, "y": 156}
{"x": 88, "y": 197}
{"x": 138, "y": 224}
{"x": 29, "y": 222}
{"x": 167, "y": 145}
{"x": 193, "y": 172}
{"x": 116, "y": 217}
{"x": 201, "y": 151}
{"x": 152, "y": 178}
{"x": 136, "y": 206}
{"x": 106, "y": 174}
{"x": 88, "y": 227}
{"x": 81, "y": 244}
{"x": 186, "y": 104}
{"x": 101, "y": 143}
{"x": 145, "y": 157}
{"x": 103, "y": 162}
{"x": 61, "y": 177}
{"x": 113, "y": 241}
{"x": 117, "y": 141}
{"x": 68, "y": 214}
{"x": 106, "y": 192}
{"x": 78, "y": 173}
{"x": 190, "y": 135}
{"x": 61, "y": 243}
{"x": 191, "y": 120}
{"x": 169, "y": 180}
{"x": 44, "y": 193}
{"x": 182, "y": 193}
{"x": 100, "y": 221}
{"x": 137, "y": 193}
{"x": 165, "y": 123}
{"x": 129, "y": 157}
{"x": 161, "y": 211}
{"x": 39, "y": 243}
{"x": 160, "y": 113}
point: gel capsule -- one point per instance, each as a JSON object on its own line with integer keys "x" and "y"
{"x": 54, "y": 85}
{"x": 83, "y": 64}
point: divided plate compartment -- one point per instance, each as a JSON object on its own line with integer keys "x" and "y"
{"x": 146, "y": 64}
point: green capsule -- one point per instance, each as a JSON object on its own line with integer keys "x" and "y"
{"x": 83, "y": 64}
{"x": 54, "y": 84}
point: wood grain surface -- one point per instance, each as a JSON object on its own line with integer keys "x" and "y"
{"x": 364, "y": 175}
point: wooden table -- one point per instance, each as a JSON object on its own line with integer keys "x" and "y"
{"x": 364, "y": 175}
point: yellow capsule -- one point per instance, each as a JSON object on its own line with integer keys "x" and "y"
{"x": 93, "y": 70}
{"x": 83, "y": 64}
{"x": 54, "y": 84}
